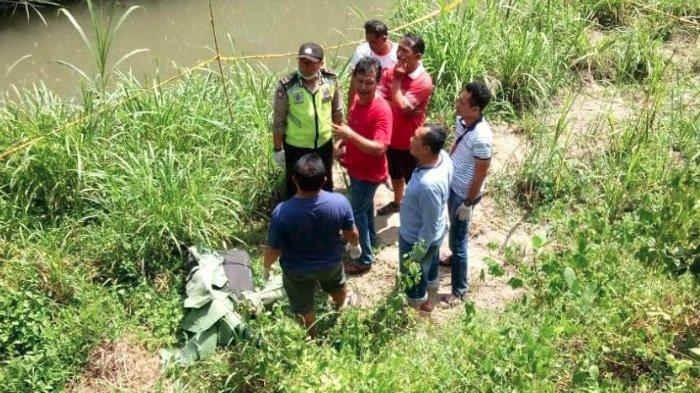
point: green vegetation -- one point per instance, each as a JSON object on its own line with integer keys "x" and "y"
{"x": 27, "y": 7}
{"x": 94, "y": 219}
{"x": 104, "y": 31}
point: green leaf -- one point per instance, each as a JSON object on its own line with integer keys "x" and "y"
{"x": 580, "y": 377}
{"x": 76, "y": 69}
{"x": 495, "y": 268}
{"x": 225, "y": 334}
{"x": 124, "y": 16}
{"x": 695, "y": 353}
{"x": 537, "y": 242}
{"x": 77, "y": 27}
{"x": 569, "y": 277}
{"x": 128, "y": 55}
{"x": 515, "y": 283}
{"x": 11, "y": 67}
{"x": 594, "y": 372}
{"x": 188, "y": 354}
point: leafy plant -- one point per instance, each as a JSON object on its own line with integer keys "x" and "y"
{"x": 104, "y": 30}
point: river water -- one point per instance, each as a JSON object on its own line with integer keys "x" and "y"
{"x": 175, "y": 32}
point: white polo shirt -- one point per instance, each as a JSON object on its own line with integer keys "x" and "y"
{"x": 471, "y": 143}
{"x": 386, "y": 61}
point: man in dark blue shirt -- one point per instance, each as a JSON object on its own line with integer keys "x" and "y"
{"x": 305, "y": 235}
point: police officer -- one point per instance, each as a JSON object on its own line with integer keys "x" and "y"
{"x": 306, "y": 102}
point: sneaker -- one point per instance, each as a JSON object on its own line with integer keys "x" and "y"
{"x": 352, "y": 267}
{"x": 389, "y": 208}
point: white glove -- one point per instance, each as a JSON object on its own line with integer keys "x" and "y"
{"x": 464, "y": 212}
{"x": 266, "y": 274}
{"x": 354, "y": 251}
{"x": 279, "y": 157}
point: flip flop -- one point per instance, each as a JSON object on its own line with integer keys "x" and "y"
{"x": 427, "y": 307}
{"x": 391, "y": 207}
{"x": 352, "y": 267}
{"x": 447, "y": 261}
{"x": 449, "y": 301}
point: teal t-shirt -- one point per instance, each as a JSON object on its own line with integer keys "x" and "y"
{"x": 307, "y": 230}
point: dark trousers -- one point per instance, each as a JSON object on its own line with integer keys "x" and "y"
{"x": 293, "y": 153}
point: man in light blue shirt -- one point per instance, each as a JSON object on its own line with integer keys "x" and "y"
{"x": 423, "y": 212}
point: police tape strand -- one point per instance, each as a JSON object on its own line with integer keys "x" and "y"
{"x": 27, "y": 143}
{"x": 448, "y": 7}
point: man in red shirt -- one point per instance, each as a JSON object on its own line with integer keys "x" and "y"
{"x": 407, "y": 87}
{"x": 362, "y": 147}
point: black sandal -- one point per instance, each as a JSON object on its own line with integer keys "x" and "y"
{"x": 389, "y": 208}
{"x": 450, "y": 301}
{"x": 352, "y": 267}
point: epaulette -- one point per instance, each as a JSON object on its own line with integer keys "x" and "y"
{"x": 291, "y": 78}
{"x": 326, "y": 71}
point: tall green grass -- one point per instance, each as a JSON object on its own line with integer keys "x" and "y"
{"x": 140, "y": 182}
{"x": 104, "y": 27}
{"x": 524, "y": 51}
{"x": 93, "y": 220}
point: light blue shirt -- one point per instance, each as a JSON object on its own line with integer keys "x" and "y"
{"x": 423, "y": 212}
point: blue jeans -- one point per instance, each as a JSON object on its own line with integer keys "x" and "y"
{"x": 362, "y": 202}
{"x": 418, "y": 293}
{"x": 459, "y": 235}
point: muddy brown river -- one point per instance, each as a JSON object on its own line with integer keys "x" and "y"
{"x": 175, "y": 32}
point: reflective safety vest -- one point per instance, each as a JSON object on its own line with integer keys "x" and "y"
{"x": 310, "y": 115}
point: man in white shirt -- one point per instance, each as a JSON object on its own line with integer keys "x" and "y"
{"x": 471, "y": 155}
{"x": 378, "y": 46}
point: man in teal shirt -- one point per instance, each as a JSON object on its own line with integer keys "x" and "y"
{"x": 423, "y": 211}
{"x": 305, "y": 235}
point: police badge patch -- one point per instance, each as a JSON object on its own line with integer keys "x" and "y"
{"x": 298, "y": 97}
{"x": 326, "y": 95}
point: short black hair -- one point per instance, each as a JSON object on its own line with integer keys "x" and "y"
{"x": 435, "y": 137}
{"x": 376, "y": 27}
{"x": 480, "y": 95}
{"x": 417, "y": 43}
{"x": 368, "y": 65}
{"x": 309, "y": 172}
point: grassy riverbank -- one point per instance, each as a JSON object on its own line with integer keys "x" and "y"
{"x": 93, "y": 219}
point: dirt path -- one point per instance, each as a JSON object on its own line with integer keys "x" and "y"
{"x": 123, "y": 365}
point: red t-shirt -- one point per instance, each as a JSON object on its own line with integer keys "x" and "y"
{"x": 372, "y": 121}
{"x": 417, "y": 88}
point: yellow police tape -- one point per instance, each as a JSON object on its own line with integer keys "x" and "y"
{"x": 29, "y": 142}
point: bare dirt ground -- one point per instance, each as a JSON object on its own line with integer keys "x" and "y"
{"x": 122, "y": 365}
